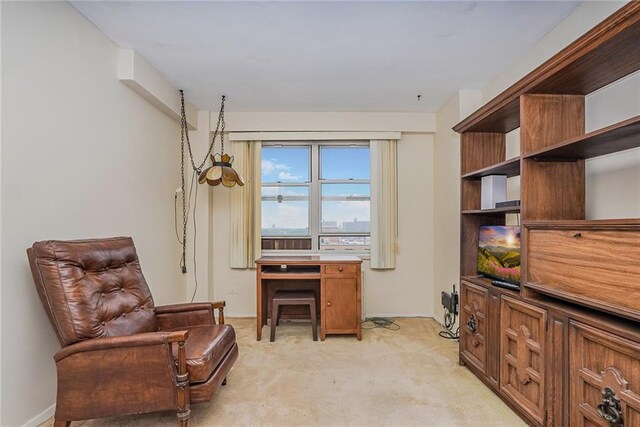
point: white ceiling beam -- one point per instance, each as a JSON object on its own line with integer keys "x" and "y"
{"x": 327, "y": 122}
{"x": 140, "y": 76}
{"x": 311, "y": 136}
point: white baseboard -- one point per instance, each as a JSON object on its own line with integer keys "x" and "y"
{"x": 41, "y": 417}
{"x": 239, "y": 315}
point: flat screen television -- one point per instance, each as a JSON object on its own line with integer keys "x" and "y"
{"x": 499, "y": 253}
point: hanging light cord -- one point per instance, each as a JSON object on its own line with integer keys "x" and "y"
{"x": 184, "y": 137}
{"x": 220, "y": 126}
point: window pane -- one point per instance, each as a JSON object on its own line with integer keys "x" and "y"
{"x": 285, "y": 164}
{"x": 345, "y": 243}
{"x": 345, "y": 162}
{"x": 346, "y": 208}
{"x": 285, "y": 211}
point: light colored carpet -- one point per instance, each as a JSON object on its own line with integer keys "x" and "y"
{"x": 409, "y": 377}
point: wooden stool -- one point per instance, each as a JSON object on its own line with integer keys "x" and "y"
{"x": 293, "y": 298}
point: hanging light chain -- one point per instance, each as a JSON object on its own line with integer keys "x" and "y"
{"x": 220, "y": 126}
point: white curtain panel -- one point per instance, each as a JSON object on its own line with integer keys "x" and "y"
{"x": 245, "y": 247}
{"x": 384, "y": 203}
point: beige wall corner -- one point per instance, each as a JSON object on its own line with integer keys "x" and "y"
{"x": 447, "y": 194}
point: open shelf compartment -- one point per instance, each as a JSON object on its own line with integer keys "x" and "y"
{"x": 621, "y": 136}
{"x": 509, "y": 168}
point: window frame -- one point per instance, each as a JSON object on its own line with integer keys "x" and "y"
{"x": 315, "y": 195}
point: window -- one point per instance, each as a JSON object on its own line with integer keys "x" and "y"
{"x": 316, "y": 196}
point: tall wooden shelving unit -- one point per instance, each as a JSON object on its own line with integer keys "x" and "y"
{"x": 518, "y": 343}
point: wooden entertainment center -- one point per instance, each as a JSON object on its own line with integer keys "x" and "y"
{"x": 565, "y": 349}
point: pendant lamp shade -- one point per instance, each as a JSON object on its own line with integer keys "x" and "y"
{"x": 221, "y": 172}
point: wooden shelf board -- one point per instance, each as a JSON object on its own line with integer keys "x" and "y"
{"x": 496, "y": 211}
{"x": 509, "y": 168}
{"x": 600, "y": 224}
{"x": 601, "y": 56}
{"x": 621, "y": 136}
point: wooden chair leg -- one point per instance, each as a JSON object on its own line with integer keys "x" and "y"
{"x": 183, "y": 399}
{"x": 61, "y": 423}
{"x": 278, "y": 316}
{"x": 314, "y": 320}
{"x": 274, "y": 320}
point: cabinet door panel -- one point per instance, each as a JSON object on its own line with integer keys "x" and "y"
{"x": 522, "y": 346}
{"x": 340, "y": 299}
{"x": 604, "y": 373}
{"x": 473, "y": 325}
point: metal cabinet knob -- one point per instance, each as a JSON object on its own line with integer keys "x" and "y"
{"x": 610, "y": 409}
{"x": 472, "y": 324}
{"x": 340, "y": 269}
{"x": 329, "y": 304}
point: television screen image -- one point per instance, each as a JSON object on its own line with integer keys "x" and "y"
{"x": 499, "y": 253}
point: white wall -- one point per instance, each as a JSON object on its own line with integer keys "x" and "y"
{"x": 407, "y": 290}
{"x": 82, "y": 156}
{"x": 613, "y": 181}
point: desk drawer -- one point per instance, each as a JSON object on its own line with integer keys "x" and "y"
{"x": 350, "y": 269}
{"x": 597, "y": 266}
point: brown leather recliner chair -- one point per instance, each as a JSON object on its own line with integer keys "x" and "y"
{"x": 120, "y": 354}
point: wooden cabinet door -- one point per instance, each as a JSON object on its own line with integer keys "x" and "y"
{"x": 604, "y": 375}
{"x": 522, "y": 347}
{"x": 473, "y": 325}
{"x": 340, "y": 305}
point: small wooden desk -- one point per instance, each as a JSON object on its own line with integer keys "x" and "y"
{"x": 335, "y": 280}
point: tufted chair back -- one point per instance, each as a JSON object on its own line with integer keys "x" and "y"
{"x": 92, "y": 288}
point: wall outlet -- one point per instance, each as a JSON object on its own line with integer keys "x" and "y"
{"x": 233, "y": 291}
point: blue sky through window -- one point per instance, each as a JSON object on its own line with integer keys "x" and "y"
{"x": 345, "y": 163}
{"x": 285, "y": 164}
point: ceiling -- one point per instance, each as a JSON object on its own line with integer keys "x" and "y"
{"x": 324, "y": 55}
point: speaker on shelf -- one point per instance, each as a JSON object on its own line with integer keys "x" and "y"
{"x": 494, "y": 190}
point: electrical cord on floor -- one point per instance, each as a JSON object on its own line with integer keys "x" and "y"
{"x": 380, "y": 322}
{"x": 447, "y": 329}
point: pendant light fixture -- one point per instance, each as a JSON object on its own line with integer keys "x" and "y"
{"x": 221, "y": 170}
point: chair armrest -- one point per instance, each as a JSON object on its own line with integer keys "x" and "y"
{"x": 110, "y": 376}
{"x": 177, "y": 316}
{"x": 137, "y": 340}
